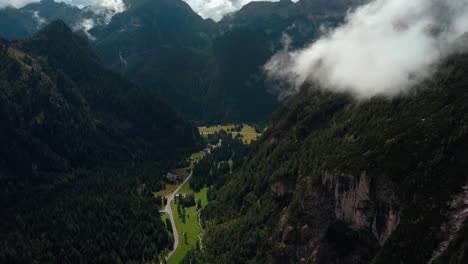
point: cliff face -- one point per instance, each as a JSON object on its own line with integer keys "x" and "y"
{"x": 365, "y": 201}
{"x": 334, "y": 181}
{"x": 358, "y": 207}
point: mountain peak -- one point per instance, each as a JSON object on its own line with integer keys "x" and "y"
{"x": 57, "y": 25}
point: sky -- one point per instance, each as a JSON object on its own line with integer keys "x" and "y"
{"x": 214, "y": 9}
{"x": 384, "y": 48}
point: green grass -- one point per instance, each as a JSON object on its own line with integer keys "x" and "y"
{"x": 203, "y": 196}
{"x": 190, "y": 226}
{"x": 164, "y": 217}
{"x": 196, "y": 157}
{"x": 186, "y": 188}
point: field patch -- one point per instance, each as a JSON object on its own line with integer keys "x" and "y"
{"x": 247, "y": 132}
{"x": 186, "y": 221}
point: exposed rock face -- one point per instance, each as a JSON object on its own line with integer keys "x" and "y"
{"x": 364, "y": 201}
{"x": 457, "y": 217}
{"x": 347, "y": 218}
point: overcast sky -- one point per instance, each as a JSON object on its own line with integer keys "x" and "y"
{"x": 214, "y": 9}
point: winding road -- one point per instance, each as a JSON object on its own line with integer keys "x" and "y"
{"x": 168, "y": 210}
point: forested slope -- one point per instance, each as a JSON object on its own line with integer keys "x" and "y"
{"x": 339, "y": 181}
{"x": 81, "y": 151}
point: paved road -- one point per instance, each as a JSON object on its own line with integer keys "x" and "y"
{"x": 168, "y": 210}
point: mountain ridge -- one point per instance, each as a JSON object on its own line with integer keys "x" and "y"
{"x": 210, "y": 72}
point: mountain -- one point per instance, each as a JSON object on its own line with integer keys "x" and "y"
{"x": 110, "y": 108}
{"x": 82, "y": 150}
{"x": 164, "y": 46}
{"x": 20, "y": 23}
{"x": 210, "y": 72}
{"x": 335, "y": 181}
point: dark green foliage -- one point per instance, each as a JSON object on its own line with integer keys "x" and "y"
{"x": 169, "y": 225}
{"x": 166, "y": 47}
{"x": 418, "y": 140}
{"x": 215, "y": 167}
{"x": 107, "y": 216}
{"x": 75, "y": 111}
{"x": 78, "y": 147}
{"x": 187, "y": 200}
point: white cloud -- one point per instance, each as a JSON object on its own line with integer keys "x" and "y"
{"x": 104, "y": 10}
{"x": 216, "y": 9}
{"x": 384, "y": 48}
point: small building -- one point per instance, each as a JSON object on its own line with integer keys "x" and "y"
{"x": 179, "y": 197}
{"x": 172, "y": 177}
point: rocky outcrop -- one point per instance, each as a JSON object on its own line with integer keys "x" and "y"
{"x": 364, "y": 201}
{"x": 456, "y": 219}
{"x": 347, "y": 218}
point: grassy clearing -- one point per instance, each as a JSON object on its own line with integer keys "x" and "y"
{"x": 196, "y": 157}
{"x": 248, "y": 133}
{"x": 186, "y": 188}
{"x": 190, "y": 227}
{"x": 203, "y": 196}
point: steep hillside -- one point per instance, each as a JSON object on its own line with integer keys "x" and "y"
{"x": 82, "y": 100}
{"x": 164, "y": 46}
{"x": 211, "y": 72}
{"x": 335, "y": 181}
{"x": 81, "y": 151}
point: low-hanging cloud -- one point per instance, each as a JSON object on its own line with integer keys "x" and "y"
{"x": 103, "y": 11}
{"x": 384, "y": 48}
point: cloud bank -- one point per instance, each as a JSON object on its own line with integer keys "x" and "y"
{"x": 384, "y": 48}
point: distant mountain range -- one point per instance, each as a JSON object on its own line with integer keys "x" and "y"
{"x": 210, "y": 72}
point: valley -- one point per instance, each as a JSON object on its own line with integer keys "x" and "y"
{"x": 186, "y": 226}
{"x": 285, "y": 132}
